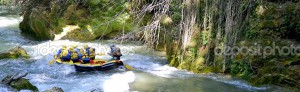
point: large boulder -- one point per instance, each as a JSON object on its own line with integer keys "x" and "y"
{"x": 13, "y": 53}
{"x": 18, "y": 82}
{"x": 74, "y": 20}
{"x": 55, "y": 89}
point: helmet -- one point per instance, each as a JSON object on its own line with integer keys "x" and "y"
{"x": 73, "y": 51}
{"x": 111, "y": 45}
{"x": 75, "y": 46}
{"x": 81, "y": 50}
{"x": 64, "y": 46}
{"x": 92, "y": 49}
{"x": 85, "y": 46}
{"x": 71, "y": 48}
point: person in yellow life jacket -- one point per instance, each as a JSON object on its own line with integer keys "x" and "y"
{"x": 74, "y": 55}
{"x": 92, "y": 53}
{"x": 76, "y": 48}
{"x": 85, "y": 58}
{"x": 64, "y": 53}
{"x": 115, "y": 52}
{"x": 80, "y": 54}
{"x": 60, "y": 50}
{"x": 86, "y": 55}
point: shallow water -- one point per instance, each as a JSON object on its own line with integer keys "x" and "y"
{"x": 151, "y": 70}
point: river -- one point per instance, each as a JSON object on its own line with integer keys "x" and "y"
{"x": 151, "y": 70}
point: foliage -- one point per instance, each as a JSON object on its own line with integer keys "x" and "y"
{"x": 101, "y": 18}
{"x": 6, "y": 2}
{"x": 246, "y": 22}
{"x": 241, "y": 68}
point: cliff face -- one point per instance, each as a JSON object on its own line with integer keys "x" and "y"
{"x": 236, "y": 37}
{"x": 82, "y": 20}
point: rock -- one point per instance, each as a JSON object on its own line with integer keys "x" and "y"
{"x": 23, "y": 83}
{"x": 18, "y": 82}
{"x": 15, "y": 52}
{"x": 49, "y": 23}
{"x": 55, "y": 89}
{"x": 96, "y": 90}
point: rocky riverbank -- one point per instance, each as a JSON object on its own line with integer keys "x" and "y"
{"x": 16, "y": 52}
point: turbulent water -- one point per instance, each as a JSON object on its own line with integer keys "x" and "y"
{"x": 151, "y": 71}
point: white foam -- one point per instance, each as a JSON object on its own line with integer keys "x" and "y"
{"x": 119, "y": 82}
{"x": 41, "y": 78}
{"x": 8, "y": 21}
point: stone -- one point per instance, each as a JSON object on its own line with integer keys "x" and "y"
{"x": 14, "y": 53}
{"x": 18, "y": 82}
{"x": 55, "y": 89}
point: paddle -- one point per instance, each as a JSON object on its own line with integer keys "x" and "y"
{"x": 126, "y": 65}
{"x": 51, "y": 61}
{"x": 71, "y": 62}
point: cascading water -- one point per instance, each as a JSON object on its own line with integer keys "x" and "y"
{"x": 151, "y": 71}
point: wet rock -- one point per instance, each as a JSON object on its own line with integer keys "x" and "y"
{"x": 53, "y": 22}
{"x": 96, "y": 90}
{"x": 55, "y": 89}
{"x": 14, "y": 53}
{"x": 18, "y": 82}
{"x": 23, "y": 83}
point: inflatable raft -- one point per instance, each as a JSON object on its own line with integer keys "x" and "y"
{"x": 99, "y": 65}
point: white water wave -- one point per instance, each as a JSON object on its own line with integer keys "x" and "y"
{"x": 119, "y": 82}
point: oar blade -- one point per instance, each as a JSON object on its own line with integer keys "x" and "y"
{"x": 51, "y": 62}
{"x": 128, "y": 67}
{"x": 71, "y": 62}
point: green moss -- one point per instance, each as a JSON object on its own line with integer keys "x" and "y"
{"x": 184, "y": 65}
{"x": 174, "y": 61}
{"x": 107, "y": 21}
{"x": 198, "y": 65}
{"x": 23, "y": 84}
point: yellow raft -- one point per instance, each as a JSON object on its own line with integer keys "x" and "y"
{"x": 99, "y": 65}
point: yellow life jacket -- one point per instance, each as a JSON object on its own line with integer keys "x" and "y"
{"x": 81, "y": 51}
{"x": 85, "y": 55}
{"x": 74, "y": 55}
{"x": 92, "y": 52}
{"x": 64, "y": 53}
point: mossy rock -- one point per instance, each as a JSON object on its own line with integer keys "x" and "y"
{"x": 80, "y": 35}
{"x": 55, "y": 89}
{"x": 44, "y": 23}
{"x": 14, "y": 53}
{"x": 23, "y": 84}
{"x": 40, "y": 26}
